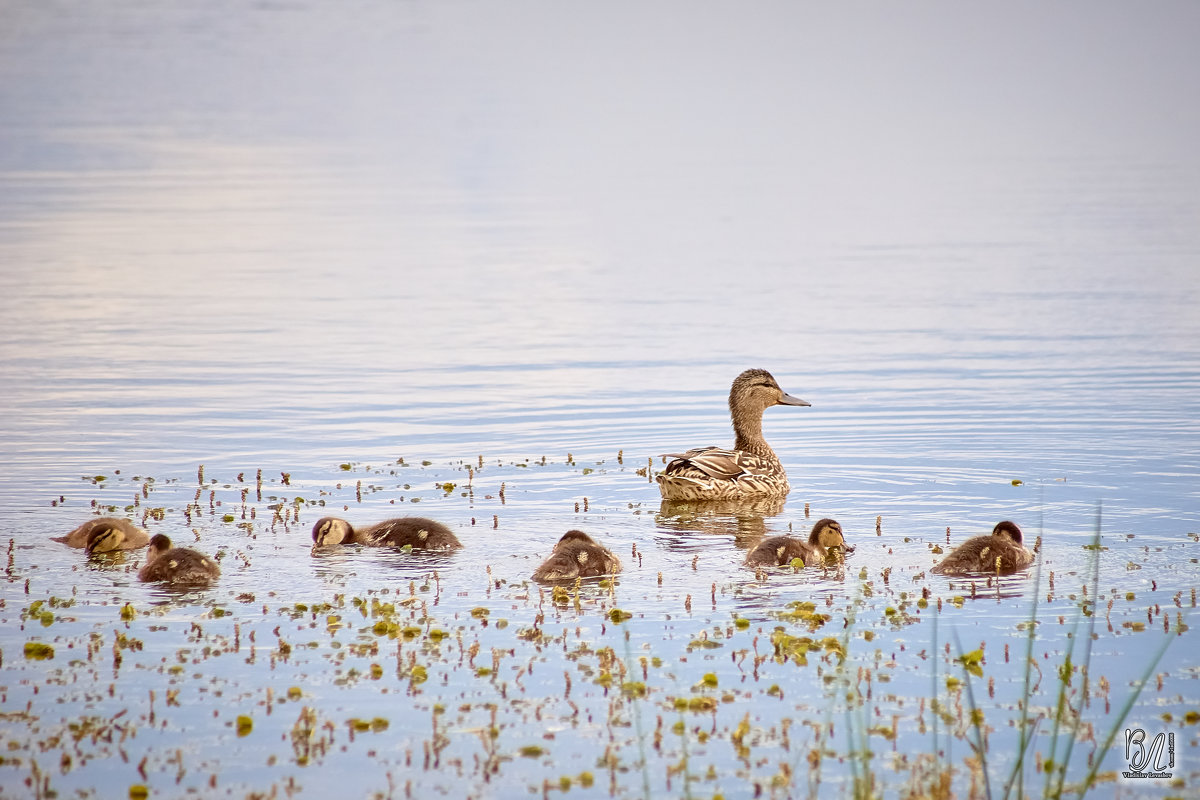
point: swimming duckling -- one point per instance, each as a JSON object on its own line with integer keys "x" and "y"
{"x": 577, "y": 555}
{"x": 826, "y": 538}
{"x": 420, "y": 533}
{"x": 1002, "y": 552}
{"x": 105, "y": 534}
{"x": 751, "y": 468}
{"x": 176, "y": 565}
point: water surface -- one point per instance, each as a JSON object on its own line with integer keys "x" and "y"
{"x": 371, "y": 251}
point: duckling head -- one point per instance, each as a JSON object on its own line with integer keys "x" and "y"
{"x": 331, "y": 530}
{"x": 105, "y": 537}
{"x": 1009, "y": 529}
{"x": 827, "y": 533}
{"x": 756, "y": 390}
{"x": 159, "y": 544}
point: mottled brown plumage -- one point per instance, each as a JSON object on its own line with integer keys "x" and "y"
{"x": 105, "y": 534}
{"x": 577, "y": 555}
{"x": 1002, "y": 552}
{"x": 825, "y": 540}
{"x": 176, "y": 565}
{"x": 417, "y": 532}
{"x": 751, "y": 468}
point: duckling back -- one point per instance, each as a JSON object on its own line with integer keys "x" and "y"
{"x": 416, "y": 532}
{"x": 779, "y": 551}
{"x": 577, "y": 555}
{"x": 1002, "y": 552}
{"x": 177, "y": 565}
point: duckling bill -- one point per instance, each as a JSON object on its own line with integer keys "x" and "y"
{"x": 1003, "y": 552}
{"x": 176, "y": 565}
{"x": 577, "y": 555}
{"x": 751, "y": 468}
{"x": 416, "y": 532}
{"x": 825, "y": 540}
{"x": 106, "y": 534}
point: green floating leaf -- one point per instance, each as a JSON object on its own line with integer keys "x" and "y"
{"x": 972, "y": 662}
{"x": 38, "y": 651}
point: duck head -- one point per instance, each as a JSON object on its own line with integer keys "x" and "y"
{"x": 757, "y": 389}
{"x": 331, "y": 530}
{"x": 159, "y": 544}
{"x": 827, "y": 533}
{"x": 1009, "y": 529}
{"x": 104, "y": 538}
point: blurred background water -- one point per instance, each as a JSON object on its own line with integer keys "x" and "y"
{"x": 285, "y": 236}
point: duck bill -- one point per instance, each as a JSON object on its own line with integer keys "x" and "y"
{"x": 787, "y": 400}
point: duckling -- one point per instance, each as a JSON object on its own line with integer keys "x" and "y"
{"x": 105, "y": 534}
{"x": 420, "y": 533}
{"x": 1003, "y": 552}
{"x": 826, "y": 537}
{"x": 751, "y": 468}
{"x": 577, "y": 555}
{"x": 176, "y": 565}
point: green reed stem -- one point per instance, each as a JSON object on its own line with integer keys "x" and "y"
{"x": 1025, "y": 735}
{"x": 976, "y": 719}
{"x": 1125, "y": 709}
{"x": 1087, "y": 654}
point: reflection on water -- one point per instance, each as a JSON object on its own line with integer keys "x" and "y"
{"x": 745, "y": 520}
{"x": 402, "y": 253}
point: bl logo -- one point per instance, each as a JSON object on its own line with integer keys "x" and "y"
{"x": 1149, "y": 761}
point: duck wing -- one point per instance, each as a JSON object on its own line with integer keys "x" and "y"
{"x": 716, "y": 462}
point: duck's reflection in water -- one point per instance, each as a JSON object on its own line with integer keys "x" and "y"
{"x": 745, "y": 520}
{"x": 981, "y": 586}
{"x": 406, "y": 570}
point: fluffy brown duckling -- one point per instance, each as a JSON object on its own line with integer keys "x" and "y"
{"x": 105, "y": 534}
{"x": 577, "y": 555}
{"x": 176, "y": 565}
{"x": 418, "y": 532}
{"x": 826, "y": 538}
{"x": 1000, "y": 553}
{"x": 751, "y": 468}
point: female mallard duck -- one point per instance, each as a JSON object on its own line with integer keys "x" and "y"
{"x": 1002, "y": 552}
{"x": 105, "y": 534}
{"x": 825, "y": 539}
{"x": 176, "y": 565}
{"x": 417, "y": 532}
{"x": 577, "y": 555}
{"x": 751, "y": 468}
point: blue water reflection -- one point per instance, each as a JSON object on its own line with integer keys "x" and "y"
{"x": 345, "y": 257}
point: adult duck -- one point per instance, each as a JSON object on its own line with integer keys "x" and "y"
{"x": 751, "y": 468}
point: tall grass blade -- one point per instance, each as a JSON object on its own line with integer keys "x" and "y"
{"x": 1025, "y": 735}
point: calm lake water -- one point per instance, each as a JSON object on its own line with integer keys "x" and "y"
{"x": 265, "y": 262}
